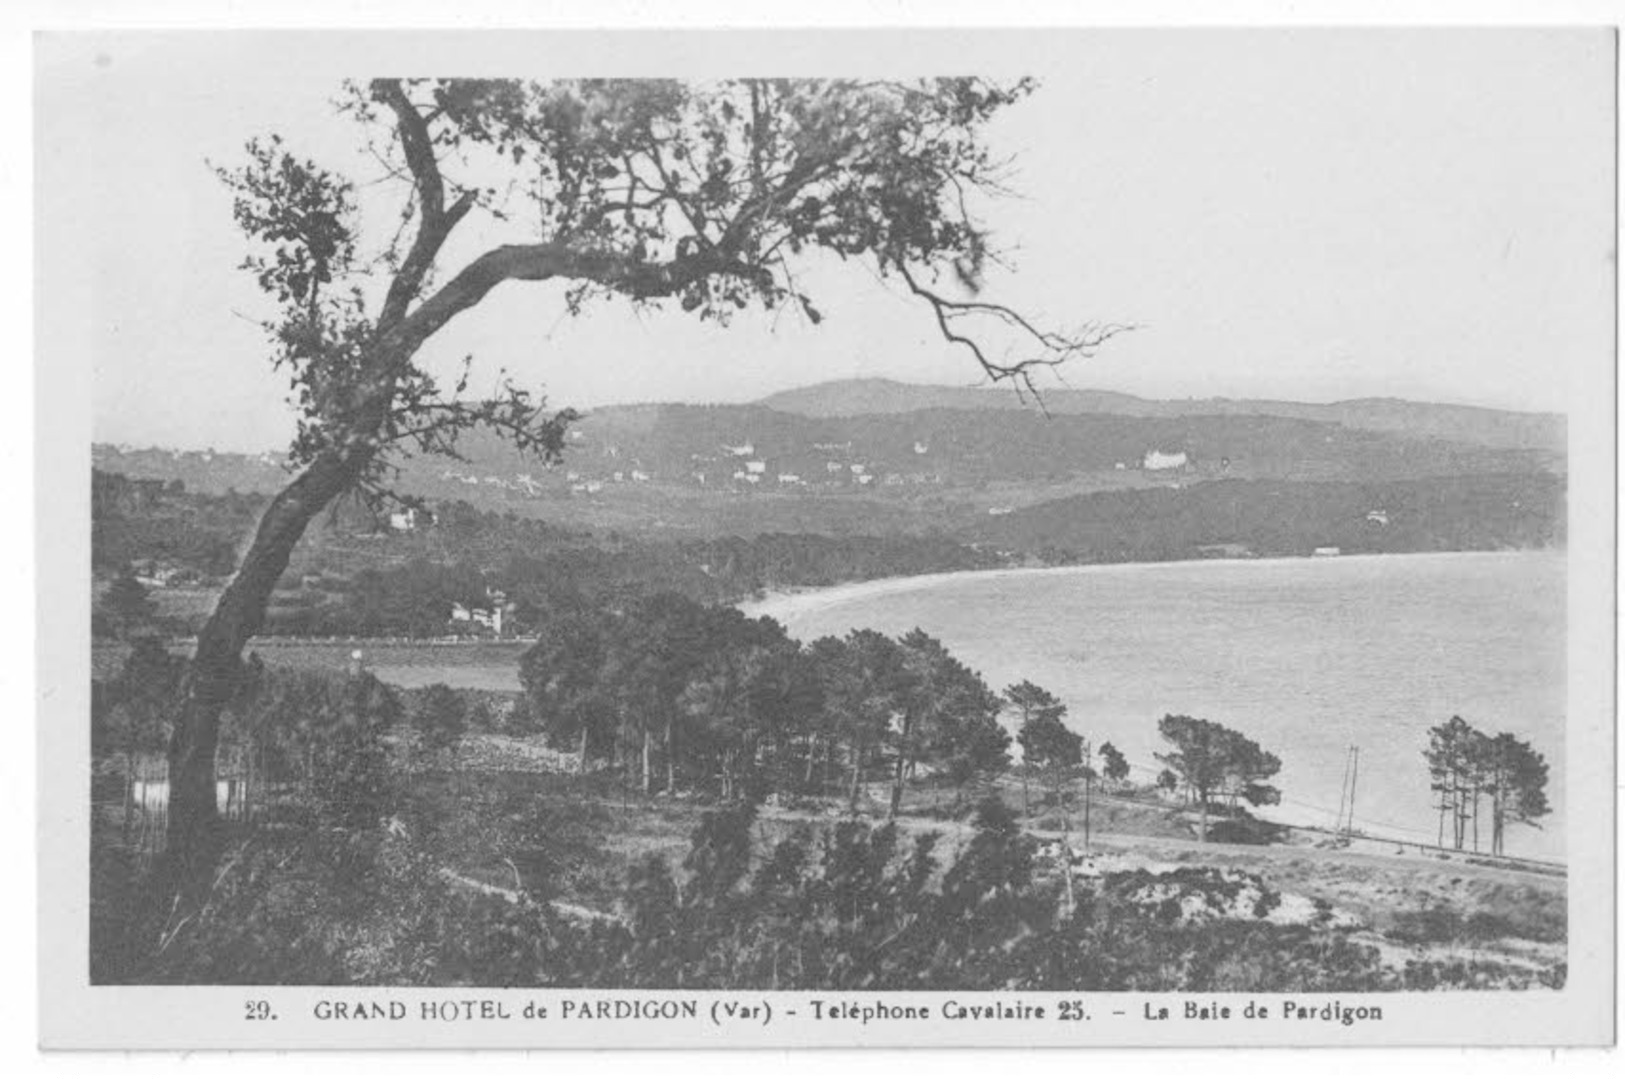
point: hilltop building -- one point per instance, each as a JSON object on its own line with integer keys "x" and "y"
{"x": 1157, "y": 461}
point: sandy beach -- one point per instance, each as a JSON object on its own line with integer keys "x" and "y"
{"x": 792, "y": 602}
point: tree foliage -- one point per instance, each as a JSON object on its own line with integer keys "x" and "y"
{"x": 1047, "y": 743}
{"x": 686, "y": 696}
{"x": 1467, "y": 766}
{"x": 126, "y": 608}
{"x": 1213, "y": 760}
{"x": 441, "y": 717}
{"x": 1114, "y": 766}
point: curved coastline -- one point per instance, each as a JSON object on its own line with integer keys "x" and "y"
{"x": 795, "y": 601}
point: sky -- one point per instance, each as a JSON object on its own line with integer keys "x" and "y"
{"x": 1310, "y": 215}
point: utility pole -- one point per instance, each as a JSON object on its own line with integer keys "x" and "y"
{"x": 1342, "y": 796}
{"x": 1088, "y": 786}
{"x": 1354, "y": 778}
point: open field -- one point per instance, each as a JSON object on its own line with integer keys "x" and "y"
{"x": 461, "y": 664}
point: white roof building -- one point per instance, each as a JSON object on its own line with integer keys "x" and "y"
{"x": 1157, "y": 461}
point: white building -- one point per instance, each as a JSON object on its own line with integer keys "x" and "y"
{"x": 404, "y": 520}
{"x": 744, "y": 449}
{"x": 789, "y": 477}
{"x": 1157, "y": 461}
{"x": 756, "y": 468}
{"x": 921, "y": 447}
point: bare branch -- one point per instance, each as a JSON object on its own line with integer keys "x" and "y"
{"x": 1054, "y": 349}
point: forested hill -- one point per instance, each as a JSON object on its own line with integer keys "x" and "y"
{"x": 1241, "y": 518}
{"x": 689, "y": 466}
{"x": 1413, "y": 419}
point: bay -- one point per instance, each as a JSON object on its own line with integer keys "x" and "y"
{"x": 1306, "y": 656}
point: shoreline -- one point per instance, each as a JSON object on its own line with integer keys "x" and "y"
{"x": 789, "y": 602}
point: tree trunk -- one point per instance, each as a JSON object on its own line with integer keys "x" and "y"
{"x": 857, "y": 775}
{"x": 1475, "y": 820}
{"x": 581, "y": 766}
{"x": 1088, "y": 793}
{"x": 647, "y": 740}
{"x": 211, "y": 679}
{"x": 902, "y": 770}
{"x": 129, "y": 793}
{"x": 897, "y": 789}
{"x": 671, "y": 757}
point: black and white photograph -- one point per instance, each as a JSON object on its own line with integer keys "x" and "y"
{"x": 975, "y": 537}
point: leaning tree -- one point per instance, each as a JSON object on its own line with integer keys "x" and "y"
{"x": 705, "y": 196}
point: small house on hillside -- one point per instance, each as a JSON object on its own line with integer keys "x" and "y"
{"x": 1158, "y": 461}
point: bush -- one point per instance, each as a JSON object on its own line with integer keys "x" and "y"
{"x": 1245, "y": 829}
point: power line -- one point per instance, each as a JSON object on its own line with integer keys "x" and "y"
{"x": 1336, "y": 814}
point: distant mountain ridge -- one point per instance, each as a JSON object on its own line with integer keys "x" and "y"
{"x": 951, "y": 460}
{"x": 1496, "y": 428}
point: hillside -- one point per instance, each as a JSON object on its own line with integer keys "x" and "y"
{"x": 1247, "y": 518}
{"x": 744, "y": 469}
{"x": 1412, "y": 419}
